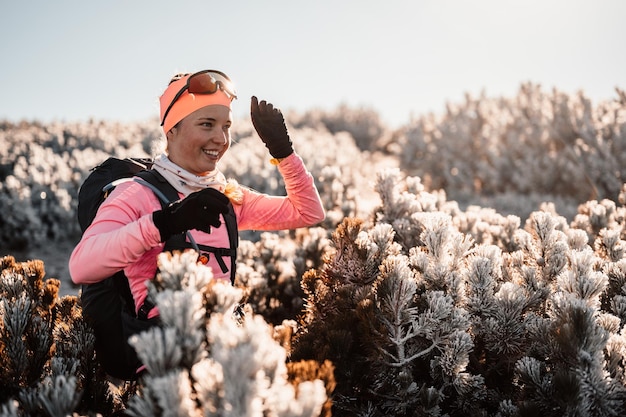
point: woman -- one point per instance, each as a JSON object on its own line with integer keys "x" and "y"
{"x": 131, "y": 228}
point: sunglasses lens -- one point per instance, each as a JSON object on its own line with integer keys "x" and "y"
{"x": 202, "y": 84}
{"x": 208, "y": 82}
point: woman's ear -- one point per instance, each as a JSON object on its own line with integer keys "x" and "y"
{"x": 170, "y": 133}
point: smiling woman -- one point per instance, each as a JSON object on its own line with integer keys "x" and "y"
{"x": 132, "y": 227}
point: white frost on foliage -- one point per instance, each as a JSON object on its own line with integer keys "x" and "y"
{"x": 158, "y": 349}
{"x": 236, "y": 367}
{"x": 254, "y": 371}
{"x": 173, "y": 394}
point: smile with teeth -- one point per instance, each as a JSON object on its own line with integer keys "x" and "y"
{"x": 211, "y": 153}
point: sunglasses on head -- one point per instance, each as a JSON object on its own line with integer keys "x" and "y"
{"x": 204, "y": 82}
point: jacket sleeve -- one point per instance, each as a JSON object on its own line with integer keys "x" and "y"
{"x": 121, "y": 233}
{"x": 302, "y": 207}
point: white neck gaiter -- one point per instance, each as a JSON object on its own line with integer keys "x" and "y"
{"x": 184, "y": 181}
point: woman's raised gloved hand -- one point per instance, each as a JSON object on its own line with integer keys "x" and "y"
{"x": 270, "y": 125}
{"x": 199, "y": 210}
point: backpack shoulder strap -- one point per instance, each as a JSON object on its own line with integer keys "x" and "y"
{"x": 159, "y": 185}
{"x": 166, "y": 194}
{"x": 233, "y": 237}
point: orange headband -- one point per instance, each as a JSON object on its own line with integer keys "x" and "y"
{"x": 187, "y": 103}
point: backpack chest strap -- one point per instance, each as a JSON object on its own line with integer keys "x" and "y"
{"x": 219, "y": 254}
{"x": 178, "y": 242}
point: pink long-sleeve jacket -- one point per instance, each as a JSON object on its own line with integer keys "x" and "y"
{"x": 123, "y": 235}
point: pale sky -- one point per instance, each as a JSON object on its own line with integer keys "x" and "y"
{"x": 75, "y": 59}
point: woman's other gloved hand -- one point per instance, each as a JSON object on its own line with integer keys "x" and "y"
{"x": 198, "y": 210}
{"x": 270, "y": 125}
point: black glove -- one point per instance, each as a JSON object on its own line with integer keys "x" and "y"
{"x": 198, "y": 210}
{"x": 270, "y": 125}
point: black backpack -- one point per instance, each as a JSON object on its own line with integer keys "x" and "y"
{"x": 108, "y": 305}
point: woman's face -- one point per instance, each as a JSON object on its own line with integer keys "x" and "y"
{"x": 200, "y": 140}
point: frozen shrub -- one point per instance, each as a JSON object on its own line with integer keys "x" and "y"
{"x": 402, "y": 202}
{"x": 391, "y": 341}
{"x": 46, "y": 348}
{"x": 543, "y": 144}
{"x": 271, "y": 269}
{"x": 504, "y": 321}
{"x": 43, "y": 167}
{"x": 593, "y": 216}
{"x": 363, "y": 124}
{"x": 206, "y": 358}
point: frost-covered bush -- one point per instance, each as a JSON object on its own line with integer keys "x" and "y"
{"x": 208, "y": 359}
{"x": 536, "y": 144}
{"x": 363, "y": 124}
{"x": 42, "y": 167}
{"x": 46, "y": 349}
{"x": 422, "y": 318}
{"x": 271, "y": 269}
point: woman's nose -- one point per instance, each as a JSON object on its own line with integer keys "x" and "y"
{"x": 221, "y": 138}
